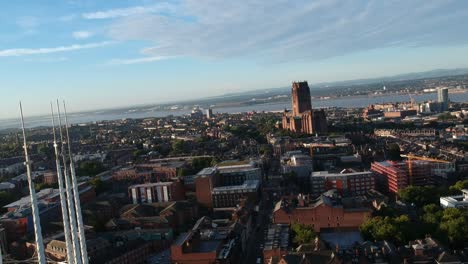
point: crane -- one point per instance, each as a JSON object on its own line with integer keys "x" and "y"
{"x": 411, "y": 157}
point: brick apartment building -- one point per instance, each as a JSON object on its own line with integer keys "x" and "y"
{"x": 329, "y": 211}
{"x": 347, "y": 182}
{"x": 134, "y": 174}
{"x": 164, "y": 169}
{"x": 50, "y": 177}
{"x": 395, "y": 176}
{"x": 206, "y": 244}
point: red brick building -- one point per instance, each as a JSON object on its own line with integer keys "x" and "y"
{"x": 164, "y": 169}
{"x": 50, "y": 177}
{"x": 133, "y": 174}
{"x": 396, "y": 176}
{"x": 346, "y": 182}
{"x": 327, "y": 212}
{"x": 302, "y": 118}
{"x": 206, "y": 244}
{"x": 205, "y": 181}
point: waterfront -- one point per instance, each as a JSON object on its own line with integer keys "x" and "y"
{"x": 346, "y": 102}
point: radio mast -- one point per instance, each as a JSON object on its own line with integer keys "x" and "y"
{"x": 81, "y": 231}
{"x": 32, "y": 193}
{"x": 71, "y": 207}
{"x": 63, "y": 198}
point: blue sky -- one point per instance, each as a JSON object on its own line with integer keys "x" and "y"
{"x": 100, "y": 54}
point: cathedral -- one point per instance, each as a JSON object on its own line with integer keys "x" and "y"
{"x": 302, "y": 118}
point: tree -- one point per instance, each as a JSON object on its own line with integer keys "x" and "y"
{"x": 200, "y": 163}
{"x": 90, "y": 168}
{"x": 99, "y": 186}
{"x": 303, "y": 234}
{"x": 398, "y": 229}
{"x": 394, "y": 152}
{"x": 458, "y": 186}
{"x": 419, "y": 195}
{"x": 178, "y": 146}
{"x": 6, "y": 198}
{"x": 446, "y": 116}
{"x": 454, "y": 224}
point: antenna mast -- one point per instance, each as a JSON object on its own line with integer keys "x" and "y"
{"x": 63, "y": 198}
{"x": 71, "y": 207}
{"x": 81, "y": 231}
{"x": 32, "y": 193}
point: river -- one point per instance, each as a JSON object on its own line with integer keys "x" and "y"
{"x": 347, "y": 102}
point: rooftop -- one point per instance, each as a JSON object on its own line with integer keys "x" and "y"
{"x": 42, "y": 196}
{"x": 277, "y": 237}
{"x": 248, "y": 185}
{"x": 148, "y": 185}
{"x": 342, "y": 173}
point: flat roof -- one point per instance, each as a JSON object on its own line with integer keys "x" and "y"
{"x": 48, "y": 193}
{"x": 331, "y": 174}
{"x": 207, "y": 171}
{"x": 247, "y": 185}
{"x": 151, "y": 184}
{"x": 205, "y": 246}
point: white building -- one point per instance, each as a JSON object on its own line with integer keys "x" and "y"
{"x": 456, "y": 201}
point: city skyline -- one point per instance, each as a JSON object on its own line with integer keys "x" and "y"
{"x": 106, "y": 55}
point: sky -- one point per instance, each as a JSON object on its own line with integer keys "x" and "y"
{"x": 99, "y": 54}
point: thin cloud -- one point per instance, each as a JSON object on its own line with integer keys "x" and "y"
{"x": 129, "y": 11}
{"x": 25, "y": 52}
{"x": 137, "y": 60}
{"x": 82, "y": 34}
{"x": 28, "y": 23}
{"x": 279, "y": 31}
{"x": 67, "y": 18}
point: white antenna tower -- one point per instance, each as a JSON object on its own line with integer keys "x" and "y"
{"x": 32, "y": 192}
{"x": 71, "y": 207}
{"x": 81, "y": 231}
{"x": 63, "y": 198}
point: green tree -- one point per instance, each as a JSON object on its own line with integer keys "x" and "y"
{"x": 6, "y": 198}
{"x": 99, "y": 186}
{"x": 200, "y": 163}
{"x": 458, "y": 186}
{"x": 90, "y": 168}
{"x": 394, "y": 152}
{"x": 398, "y": 229}
{"x": 454, "y": 224}
{"x": 303, "y": 234}
{"x": 419, "y": 195}
{"x": 178, "y": 146}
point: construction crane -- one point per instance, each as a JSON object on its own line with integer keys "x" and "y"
{"x": 411, "y": 157}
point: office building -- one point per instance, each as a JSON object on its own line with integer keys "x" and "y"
{"x": 234, "y": 177}
{"x": 229, "y": 196}
{"x": 455, "y": 201}
{"x": 347, "y": 182}
{"x": 443, "y": 99}
{"x": 209, "y": 113}
{"x": 301, "y": 166}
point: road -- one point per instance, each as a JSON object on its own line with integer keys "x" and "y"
{"x": 257, "y": 237}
